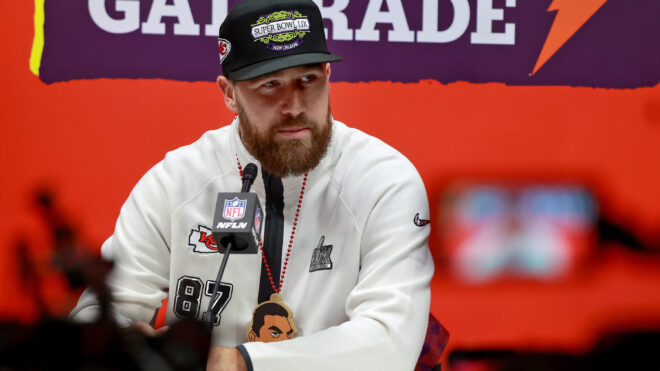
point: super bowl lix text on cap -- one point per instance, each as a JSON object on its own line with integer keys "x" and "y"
{"x": 260, "y": 36}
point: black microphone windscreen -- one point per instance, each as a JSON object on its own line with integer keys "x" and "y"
{"x": 250, "y": 172}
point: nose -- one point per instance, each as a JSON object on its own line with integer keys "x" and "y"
{"x": 294, "y": 103}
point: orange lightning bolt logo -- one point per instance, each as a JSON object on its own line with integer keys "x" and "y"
{"x": 571, "y": 16}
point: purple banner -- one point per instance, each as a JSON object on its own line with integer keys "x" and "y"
{"x": 597, "y": 43}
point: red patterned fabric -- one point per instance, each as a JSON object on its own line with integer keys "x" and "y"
{"x": 436, "y": 340}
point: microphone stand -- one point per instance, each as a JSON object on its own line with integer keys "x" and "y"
{"x": 249, "y": 174}
{"x": 207, "y": 321}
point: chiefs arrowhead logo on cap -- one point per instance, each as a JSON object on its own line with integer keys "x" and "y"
{"x": 224, "y": 47}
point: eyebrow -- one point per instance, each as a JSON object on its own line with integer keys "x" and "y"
{"x": 275, "y": 328}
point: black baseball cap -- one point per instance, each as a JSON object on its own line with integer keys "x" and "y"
{"x": 263, "y": 36}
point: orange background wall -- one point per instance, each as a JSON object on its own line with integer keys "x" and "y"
{"x": 91, "y": 140}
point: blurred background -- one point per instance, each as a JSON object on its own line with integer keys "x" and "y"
{"x": 545, "y": 211}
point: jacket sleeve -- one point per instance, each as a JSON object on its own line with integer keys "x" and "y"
{"x": 139, "y": 248}
{"x": 389, "y": 306}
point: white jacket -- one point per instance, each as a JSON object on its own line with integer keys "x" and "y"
{"x": 368, "y": 312}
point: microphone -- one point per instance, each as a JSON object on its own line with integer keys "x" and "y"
{"x": 249, "y": 175}
{"x": 237, "y": 225}
{"x": 238, "y": 217}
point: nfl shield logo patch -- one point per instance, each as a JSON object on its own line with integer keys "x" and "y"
{"x": 234, "y": 209}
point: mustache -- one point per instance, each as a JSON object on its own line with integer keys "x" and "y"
{"x": 300, "y": 121}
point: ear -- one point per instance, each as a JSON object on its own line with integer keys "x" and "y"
{"x": 252, "y": 336}
{"x": 229, "y": 91}
{"x": 328, "y": 70}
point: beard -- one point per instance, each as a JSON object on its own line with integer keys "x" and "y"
{"x": 286, "y": 157}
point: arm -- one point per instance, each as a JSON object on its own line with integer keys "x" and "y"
{"x": 139, "y": 249}
{"x": 226, "y": 359}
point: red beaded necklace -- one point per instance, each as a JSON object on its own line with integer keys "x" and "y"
{"x": 278, "y": 289}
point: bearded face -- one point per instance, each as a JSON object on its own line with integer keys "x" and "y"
{"x": 284, "y": 117}
{"x": 286, "y": 156}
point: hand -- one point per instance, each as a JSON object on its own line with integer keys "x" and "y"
{"x": 146, "y": 329}
{"x": 225, "y": 359}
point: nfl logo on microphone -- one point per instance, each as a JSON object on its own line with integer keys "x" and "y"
{"x": 234, "y": 209}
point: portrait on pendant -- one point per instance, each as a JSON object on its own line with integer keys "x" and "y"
{"x": 272, "y": 321}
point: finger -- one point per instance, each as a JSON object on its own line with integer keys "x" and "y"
{"x": 143, "y": 328}
{"x": 162, "y": 331}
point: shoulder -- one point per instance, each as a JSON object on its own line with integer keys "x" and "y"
{"x": 202, "y": 154}
{"x": 368, "y": 171}
{"x": 360, "y": 157}
{"x": 185, "y": 170}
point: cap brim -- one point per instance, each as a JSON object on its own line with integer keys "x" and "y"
{"x": 280, "y": 63}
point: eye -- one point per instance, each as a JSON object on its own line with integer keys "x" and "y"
{"x": 270, "y": 84}
{"x": 275, "y": 334}
{"x": 308, "y": 78}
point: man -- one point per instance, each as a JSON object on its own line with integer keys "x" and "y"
{"x": 340, "y": 246}
{"x": 272, "y": 321}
